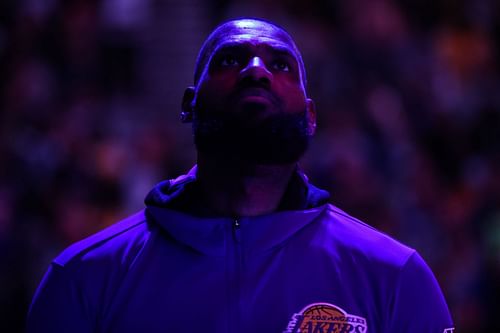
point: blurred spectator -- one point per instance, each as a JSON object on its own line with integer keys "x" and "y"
{"x": 408, "y": 138}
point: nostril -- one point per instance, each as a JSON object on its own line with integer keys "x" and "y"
{"x": 254, "y": 80}
{"x": 265, "y": 80}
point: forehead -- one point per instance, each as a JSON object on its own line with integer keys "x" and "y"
{"x": 253, "y": 33}
{"x": 247, "y": 31}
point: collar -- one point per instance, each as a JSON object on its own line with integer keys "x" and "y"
{"x": 181, "y": 194}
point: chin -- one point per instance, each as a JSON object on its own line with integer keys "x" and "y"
{"x": 275, "y": 139}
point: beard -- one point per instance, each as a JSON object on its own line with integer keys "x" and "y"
{"x": 280, "y": 138}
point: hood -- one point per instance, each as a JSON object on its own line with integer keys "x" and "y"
{"x": 180, "y": 194}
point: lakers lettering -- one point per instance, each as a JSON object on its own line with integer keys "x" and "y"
{"x": 329, "y": 327}
{"x": 325, "y": 318}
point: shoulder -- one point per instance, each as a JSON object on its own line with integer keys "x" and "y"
{"x": 356, "y": 238}
{"x": 124, "y": 238}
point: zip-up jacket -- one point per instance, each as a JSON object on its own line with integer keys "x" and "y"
{"x": 309, "y": 267}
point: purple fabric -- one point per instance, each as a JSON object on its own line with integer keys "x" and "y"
{"x": 163, "y": 270}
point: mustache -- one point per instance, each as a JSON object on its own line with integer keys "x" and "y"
{"x": 255, "y": 88}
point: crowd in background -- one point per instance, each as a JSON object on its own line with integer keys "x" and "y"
{"x": 408, "y": 99}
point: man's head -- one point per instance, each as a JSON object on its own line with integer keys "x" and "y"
{"x": 249, "y": 99}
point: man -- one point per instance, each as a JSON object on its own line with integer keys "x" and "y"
{"x": 243, "y": 242}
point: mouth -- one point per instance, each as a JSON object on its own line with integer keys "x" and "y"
{"x": 255, "y": 96}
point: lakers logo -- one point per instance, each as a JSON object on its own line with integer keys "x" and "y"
{"x": 325, "y": 318}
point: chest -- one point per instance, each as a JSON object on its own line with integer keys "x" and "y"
{"x": 292, "y": 288}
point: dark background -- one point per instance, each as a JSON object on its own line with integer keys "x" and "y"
{"x": 408, "y": 96}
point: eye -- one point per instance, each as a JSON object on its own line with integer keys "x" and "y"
{"x": 228, "y": 61}
{"x": 281, "y": 65}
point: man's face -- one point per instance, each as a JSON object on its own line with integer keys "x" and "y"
{"x": 250, "y": 98}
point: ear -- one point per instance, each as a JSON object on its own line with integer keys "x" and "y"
{"x": 187, "y": 105}
{"x": 311, "y": 116}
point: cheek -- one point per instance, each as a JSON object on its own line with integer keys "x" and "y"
{"x": 212, "y": 93}
{"x": 216, "y": 85}
{"x": 292, "y": 95}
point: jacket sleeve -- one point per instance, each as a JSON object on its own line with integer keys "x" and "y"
{"x": 418, "y": 305}
{"x": 58, "y": 305}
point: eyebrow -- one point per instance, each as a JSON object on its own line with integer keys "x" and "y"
{"x": 279, "y": 49}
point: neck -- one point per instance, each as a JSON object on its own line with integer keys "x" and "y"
{"x": 236, "y": 188}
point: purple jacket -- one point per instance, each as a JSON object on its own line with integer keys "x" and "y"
{"x": 169, "y": 269}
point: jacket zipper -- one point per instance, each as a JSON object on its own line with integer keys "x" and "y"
{"x": 236, "y": 276}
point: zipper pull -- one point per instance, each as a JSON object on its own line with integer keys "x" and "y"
{"x": 236, "y": 229}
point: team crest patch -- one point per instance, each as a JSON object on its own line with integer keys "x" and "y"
{"x": 325, "y": 318}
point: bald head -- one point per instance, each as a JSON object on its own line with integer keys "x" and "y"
{"x": 251, "y": 27}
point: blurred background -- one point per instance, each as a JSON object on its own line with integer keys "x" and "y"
{"x": 408, "y": 95}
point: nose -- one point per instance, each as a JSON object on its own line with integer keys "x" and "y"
{"x": 256, "y": 70}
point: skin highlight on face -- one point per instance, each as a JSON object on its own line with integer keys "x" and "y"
{"x": 248, "y": 29}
